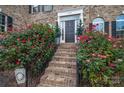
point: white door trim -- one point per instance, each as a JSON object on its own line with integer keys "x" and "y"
{"x": 69, "y": 13}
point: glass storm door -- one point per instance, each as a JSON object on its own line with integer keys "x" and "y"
{"x": 70, "y": 31}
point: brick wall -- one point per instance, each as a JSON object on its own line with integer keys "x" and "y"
{"x": 19, "y": 13}
{"x": 107, "y": 12}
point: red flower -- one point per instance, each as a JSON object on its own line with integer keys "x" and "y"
{"x": 94, "y": 27}
{"x": 85, "y": 37}
{"x": 102, "y": 56}
{"x": 80, "y": 37}
{"x": 29, "y": 26}
{"x": 32, "y": 46}
{"x": 23, "y": 41}
{"x": 110, "y": 38}
{"x": 112, "y": 65}
{"x": 18, "y": 39}
{"x": 17, "y": 62}
{"x": 29, "y": 39}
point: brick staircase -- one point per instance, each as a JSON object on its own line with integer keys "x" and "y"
{"x": 61, "y": 71}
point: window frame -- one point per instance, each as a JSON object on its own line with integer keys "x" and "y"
{"x": 6, "y": 22}
{"x": 100, "y": 22}
{"x": 41, "y": 8}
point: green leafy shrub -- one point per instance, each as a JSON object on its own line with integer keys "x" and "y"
{"x": 100, "y": 58}
{"x": 32, "y": 47}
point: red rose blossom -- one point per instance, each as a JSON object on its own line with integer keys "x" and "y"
{"x": 32, "y": 46}
{"x": 17, "y": 62}
{"x": 18, "y": 39}
{"x": 112, "y": 65}
{"x": 23, "y": 41}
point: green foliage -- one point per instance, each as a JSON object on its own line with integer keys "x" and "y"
{"x": 32, "y": 47}
{"x": 80, "y": 29}
{"x": 99, "y": 58}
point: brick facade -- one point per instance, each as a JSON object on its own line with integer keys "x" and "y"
{"x": 21, "y": 14}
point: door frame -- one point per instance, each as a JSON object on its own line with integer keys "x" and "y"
{"x": 69, "y": 13}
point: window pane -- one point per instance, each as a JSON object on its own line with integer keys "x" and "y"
{"x": 120, "y": 25}
{"x": 99, "y": 24}
{"x": 3, "y": 19}
{"x": 9, "y": 20}
{"x": 120, "y": 17}
{"x": 35, "y": 8}
{"x": 2, "y": 28}
{"x": 48, "y": 8}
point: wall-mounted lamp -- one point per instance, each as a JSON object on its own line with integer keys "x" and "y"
{"x": 122, "y": 12}
{"x": 98, "y": 15}
{"x": 0, "y": 9}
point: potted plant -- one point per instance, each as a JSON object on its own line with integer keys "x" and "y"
{"x": 58, "y": 34}
{"x": 80, "y": 29}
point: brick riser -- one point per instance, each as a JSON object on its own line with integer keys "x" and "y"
{"x": 61, "y": 71}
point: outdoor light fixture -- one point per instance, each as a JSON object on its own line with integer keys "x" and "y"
{"x": 122, "y": 12}
{"x": 0, "y": 9}
{"x": 20, "y": 75}
{"x": 98, "y": 15}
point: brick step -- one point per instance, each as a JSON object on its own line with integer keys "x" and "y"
{"x": 49, "y": 85}
{"x": 68, "y": 44}
{"x": 57, "y": 80}
{"x": 66, "y": 50}
{"x": 67, "y": 54}
{"x": 61, "y": 71}
{"x": 61, "y": 58}
{"x": 67, "y": 47}
{"x": 63, "y": 64}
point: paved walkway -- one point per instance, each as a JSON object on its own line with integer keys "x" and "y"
{"x": 61, "y": 71}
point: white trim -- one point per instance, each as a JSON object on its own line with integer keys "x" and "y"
{"x": 70, "y": 13}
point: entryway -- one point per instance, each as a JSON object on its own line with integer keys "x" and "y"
{"x": 68, "y": 22}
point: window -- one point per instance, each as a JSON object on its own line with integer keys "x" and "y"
{"x": 99, "y": 23}
{"x": 120, "y": 23}
{"x": 5, "y": 22}
{"x": 40, "y": 8}
{"x": 35, "y": 8}
{"x": 47, "y": 8}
